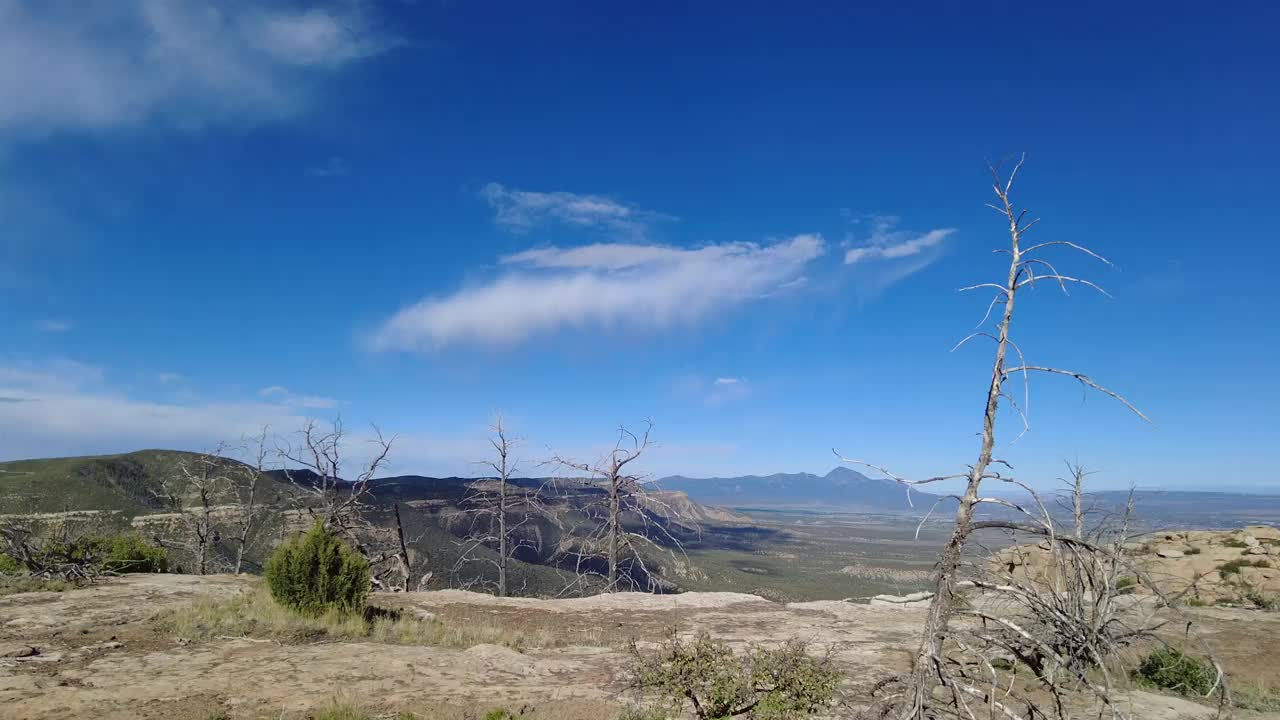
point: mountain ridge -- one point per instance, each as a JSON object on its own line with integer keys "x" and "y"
{"x": 841, "y": 488}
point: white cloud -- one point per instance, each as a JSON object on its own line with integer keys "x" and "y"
{"x": 520, "y": 210}
{"x": 888, "y": 243}
{"x": 281, "y": 395}
{"x": 170, "y": 378}
{"x": 106, "y": 65}
{"x": 54, "y": 326}
{"x": 600, "y": 286}
{"x": 728, "y": 381}
{"x": 62, "y": 407}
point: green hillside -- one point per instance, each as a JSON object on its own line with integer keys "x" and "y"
{"x": 130, "y": 484}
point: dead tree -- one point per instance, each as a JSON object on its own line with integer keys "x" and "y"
{"x": 192, "y": 494}
{"x": 626, "y": 495}
{"x": 496, "y": 511}
{"x": 342, "y": 505}
{"x": 337, "y": 502}
{"x": 1027, "y": 266}
{"x": 246, "y": 481}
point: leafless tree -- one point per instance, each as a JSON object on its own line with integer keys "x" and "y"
{"x": 626, "y": 495}
{"x": 246, "y": 480}
{"x": 496, "y": 510}
{"x": 343, "y": 503}
{"x": 338, "y": 502}
{"x": 193, "y": 495}
{"x": 932, "y": 675}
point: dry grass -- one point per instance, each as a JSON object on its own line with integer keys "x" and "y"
{"x": 254, "y": 614}
{"x": 14, "y": 584}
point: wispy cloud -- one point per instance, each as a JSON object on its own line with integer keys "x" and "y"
{"x": 886, "y": 242}
{"x": 170, "y": 378}
{"x": 281, "y": 395}
{"x": 122, "y": 63}
{"x": 333, "y": 167}
{"x": 55, "y": 326}
{"x": 611, "y": 285}
{"x": 728, "y": 389}
{"x": 521, "y": 210}
{"x": 875, "y": 261}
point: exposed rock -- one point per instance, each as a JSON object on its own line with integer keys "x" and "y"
{"x": 914, "y": 600}
{"x": 1250, "y": 540}
{"x": 1263, "y": 532}
{"x": 1169, "y": 553}
{"x": 17, "y": 650}
{"x": 1256, "y": 550}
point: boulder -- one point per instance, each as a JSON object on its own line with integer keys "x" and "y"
{"x": 1250, "y": 540}
{"x": 1169, "y": 553}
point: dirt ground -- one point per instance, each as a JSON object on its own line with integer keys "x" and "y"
{"x": 95, "y": 655}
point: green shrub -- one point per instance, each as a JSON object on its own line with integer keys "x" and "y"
{"x": 10, "y": 566}
{"x": 317, "y": 572}
{"x": 1234, "y": 543}
{"x": 763, "y": 684}
{"x": 1232, "y": 567}
{"x": 132, "y": 554}
{"x": 1193, "y": 551}
{"x": 1168, "y": 668}
{"x": 499, "y": 714}
{"x": 1125, "y": 585}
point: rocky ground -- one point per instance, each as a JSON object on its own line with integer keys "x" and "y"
{"x": 94, "y": 653}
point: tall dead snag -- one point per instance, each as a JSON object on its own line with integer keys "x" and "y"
{"x": 626, "y": 496}
{"x": 496, "y": 510}
{"x": 932, "y": 677}
{"x": 246, "y": 481}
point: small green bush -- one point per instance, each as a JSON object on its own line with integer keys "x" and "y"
{"x": 499, "y": 714}
{"x": 1125, "y": 585}
{"x": 132, "y": 554}
{"x": 1193, "y": 551}
{"x": 10, "y": 566}
{"x": 1232, "y": 567}
{"x": 1168, "y": 668}
{"x": 318, "y": 572}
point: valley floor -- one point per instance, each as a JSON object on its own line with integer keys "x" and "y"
{"x": 94, "y": 653}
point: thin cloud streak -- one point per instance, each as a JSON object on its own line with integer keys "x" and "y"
{"x": 606, "y": 286}
{"x": 519, "y": 211}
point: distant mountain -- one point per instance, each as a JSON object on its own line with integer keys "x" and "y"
{"x": 840, "y": 489}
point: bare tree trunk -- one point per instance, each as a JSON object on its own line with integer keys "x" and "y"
{"x": 614, "y": 526}
{"x": 406, "y": 563}
{"x": 503, "y": 551}
{"x": 249, "y": 509}
{"x": 943, "y": 605}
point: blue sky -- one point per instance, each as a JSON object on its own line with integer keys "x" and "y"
{"x": 747, "y": 223}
